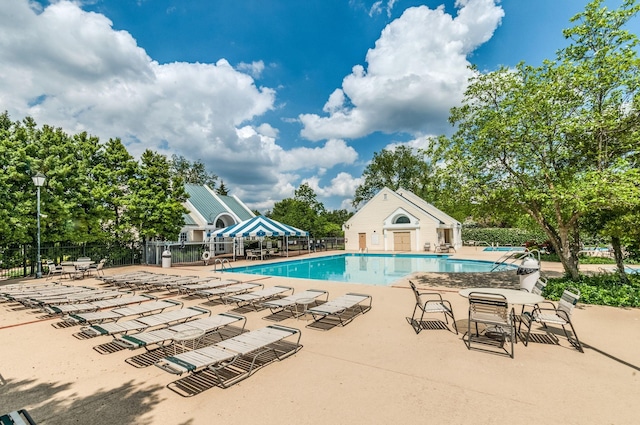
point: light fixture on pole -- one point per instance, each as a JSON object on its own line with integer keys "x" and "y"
{"x": 39, "y": 180}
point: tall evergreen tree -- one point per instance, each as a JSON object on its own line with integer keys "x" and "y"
{"x": 155, "y": 205}
{"x": 192, "y": 172}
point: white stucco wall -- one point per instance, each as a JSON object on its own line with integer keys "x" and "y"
{"x": 376, "y": 220}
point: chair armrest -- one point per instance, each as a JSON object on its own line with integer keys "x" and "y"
{"x": 431, "y": 294}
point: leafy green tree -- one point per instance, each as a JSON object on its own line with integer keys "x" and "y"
{"x": 18, "y": 200}
{"x": 395, "y": 169}
{"x": 155, "y": 205}
{"x": 113, "y": 174}
{"x": 539, "y": 138}
{"x": 617, "y": 213}
{"x": 192, "y": 172}
{"x": 306, "y": 194}
{"x": 295, "y": 213}
{"x": 6, "y": 156}
{"x": 338, "y": 217}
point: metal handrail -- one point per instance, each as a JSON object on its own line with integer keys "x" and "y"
{"x": 222, "y": 262}
{"x": 516, "y": 256}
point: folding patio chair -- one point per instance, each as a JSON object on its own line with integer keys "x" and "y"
{"x": 491, "y": 310}
{"x": 430, "y": 302}
{"x": 53, "y": 269}
{"x": 559, "y": 314}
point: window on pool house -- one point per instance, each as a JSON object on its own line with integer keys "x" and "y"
{"x": 403, "y": 219}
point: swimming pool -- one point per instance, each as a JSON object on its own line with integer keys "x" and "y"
{"x": 373, "y": 269}
{"x": 504, "y": 248}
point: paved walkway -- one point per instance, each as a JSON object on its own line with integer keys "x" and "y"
{"x": 375, "y": 370}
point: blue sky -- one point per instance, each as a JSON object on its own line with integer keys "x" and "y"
{"x": 268, "y": 94}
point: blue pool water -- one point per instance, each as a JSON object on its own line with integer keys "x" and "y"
{"x": 504, "y": 248}
{"x": 373, "y": 269}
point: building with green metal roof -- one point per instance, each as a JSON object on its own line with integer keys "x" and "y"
{"x": 209, "y": 211}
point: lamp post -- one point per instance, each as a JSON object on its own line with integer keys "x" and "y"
{"x": 39, "y": 180}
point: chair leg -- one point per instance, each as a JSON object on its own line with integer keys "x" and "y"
{"x": 453, "y": 320}
{"x": 529, "y": 322}
{"x": 414, "y": 324}
{"x": 575, "y": 343}
{"x": 468, "y": 341}
{"x": 512, "y": 338}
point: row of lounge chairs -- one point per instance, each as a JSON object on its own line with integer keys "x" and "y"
{"x": 223, "y": 351}
{"x": 46, "y": 295}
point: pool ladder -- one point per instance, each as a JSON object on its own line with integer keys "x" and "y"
{"x": 513, "y": 256}
{"x": 222, "y": 262}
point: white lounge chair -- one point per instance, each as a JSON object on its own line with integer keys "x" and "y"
{"x": 17, "y": 417}
{"x": 97, "y": 305}
{"x": 291, "y": 302}
{"x": 255, "y": 298}
{"x": 214, "y": 282}
{"x": 120, "y": 313}
{"x": 225, "y": 291}
{"x": 228, "y": 353}
{"x": 163, "y": 337}
{"x": 144, "y": 322}
{"x": 343, "y": 309}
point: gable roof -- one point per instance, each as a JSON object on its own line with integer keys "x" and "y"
{"x": 259, "y": 226}
{"x": 427, "y": 207}
{"x": 407, "y": 197}
{"x": 237, "y": 207}
{"x": 203, "y": 202}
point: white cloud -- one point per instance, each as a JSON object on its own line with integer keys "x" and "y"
{"x": 70, "y": 68}
{"x": 332, "y": 153}
{"x": 254, "y": 68}
{"x": 377, "y": 8}
{"x": 421, "y": 142}
{"x": 416, "y": 72}
{"x": 343, "y": 184}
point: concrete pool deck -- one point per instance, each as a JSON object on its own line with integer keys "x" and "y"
{"x": 375, "y": 370}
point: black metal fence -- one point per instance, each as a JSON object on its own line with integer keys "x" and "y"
{"x": 21, "y": 261}
{"x": 192, "y": 252}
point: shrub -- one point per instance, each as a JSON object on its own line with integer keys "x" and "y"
{"x": 600, "y": 289}
{"x": 503, "y": 236}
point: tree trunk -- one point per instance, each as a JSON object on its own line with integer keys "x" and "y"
{"x": 617, "y": 252}
{"x": 565, "y": 248}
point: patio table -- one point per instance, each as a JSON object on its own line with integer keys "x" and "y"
{"x": 513, "y": 296}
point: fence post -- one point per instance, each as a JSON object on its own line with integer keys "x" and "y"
{"x": 24, "y": 260}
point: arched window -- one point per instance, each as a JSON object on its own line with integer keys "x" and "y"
{"x": 220, "y": 224}
{"x": 403, "y": 219}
